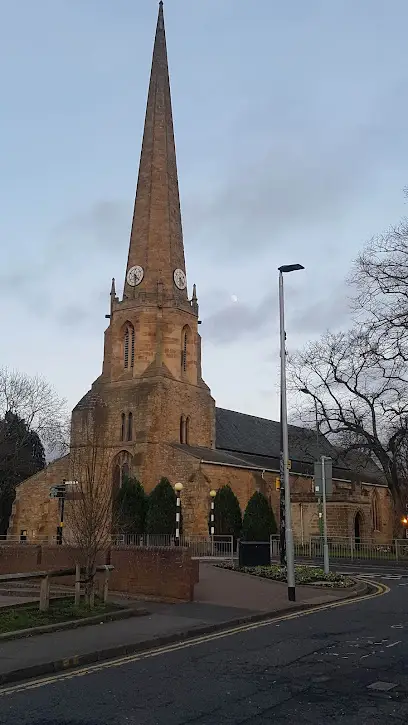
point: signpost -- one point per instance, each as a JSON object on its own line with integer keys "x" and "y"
{"x": 323, "y": 477}
{"x": 59, "y": 492}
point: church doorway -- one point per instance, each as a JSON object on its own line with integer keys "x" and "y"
{"x": 358, "y": 527}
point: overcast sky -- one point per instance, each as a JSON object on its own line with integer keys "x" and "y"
{"x": 290, "y": 122}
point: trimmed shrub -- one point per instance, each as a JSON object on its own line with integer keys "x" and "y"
{"x": 131, "y": 507}
{"x": 161, "y": 509}
{"x": 259, "y": 520}
{"x": 227, "y": 513}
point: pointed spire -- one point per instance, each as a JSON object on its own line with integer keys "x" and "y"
{"x": 194, "y": 300}
{"x": 113, "y": 297}
{"x": 156, "y": 240}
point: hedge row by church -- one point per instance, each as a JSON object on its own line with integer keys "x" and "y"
{"x": 137, "y": 513}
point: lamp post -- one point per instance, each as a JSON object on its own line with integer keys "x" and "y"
{"x": 290, "y": 558}
{"x": 306, "y": 391}
{"x": 178, "y": 489}
{"x": 325, "y": 544}
{"x": 212, "y": 521}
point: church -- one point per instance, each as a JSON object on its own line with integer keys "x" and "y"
{"x": 161, "y": 419}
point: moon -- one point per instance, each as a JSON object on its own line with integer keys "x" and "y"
{"x": 234, "y": 299}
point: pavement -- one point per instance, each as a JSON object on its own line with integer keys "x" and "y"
{"x": 223, "y": 599}
{"x": 344, "y": 665}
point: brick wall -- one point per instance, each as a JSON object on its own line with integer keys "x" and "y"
{"x": 163, "y": 573}
{"x": 15, "y": 559}
{"x": 167, "y": 574}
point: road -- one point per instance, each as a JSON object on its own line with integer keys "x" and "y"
{"x": 315, "y": 669}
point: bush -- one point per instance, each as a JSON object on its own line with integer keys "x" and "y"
{"x": 161, "y": 509}
{"x": 227, "y": 513}
{"x": 259, "y": 521}
{"x": 131, "y": 507}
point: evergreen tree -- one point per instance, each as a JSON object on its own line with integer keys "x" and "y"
{"x": 227, "y": 513}
{"x": 161, "y": 509}
{"x": 21, "y": 455}
{"x": 259, "y": 520}
{"x": 131, "y": 507}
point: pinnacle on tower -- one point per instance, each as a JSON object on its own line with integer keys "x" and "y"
{"x": 156, "y": 251}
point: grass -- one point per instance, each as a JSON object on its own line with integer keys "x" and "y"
{"x": 61, "y": 610}
{"x": 303, "y": 575}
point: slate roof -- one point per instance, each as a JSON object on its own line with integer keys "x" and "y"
{"x": 255, "y": 443}
{"x": 259, "y": 436}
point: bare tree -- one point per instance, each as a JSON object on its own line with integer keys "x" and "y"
{"x": 89, "y": 509}
{"x": 380, "y": 279}
{"x": 35, "y": 401}
{"x": 361, "y": 395}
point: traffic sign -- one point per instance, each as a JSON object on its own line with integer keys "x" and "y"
{"x": 328, "y": 474}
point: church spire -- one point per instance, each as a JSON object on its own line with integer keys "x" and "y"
{"x": 156, "y": 240}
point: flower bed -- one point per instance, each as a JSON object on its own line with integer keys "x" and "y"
{"x": 303, "y": 575}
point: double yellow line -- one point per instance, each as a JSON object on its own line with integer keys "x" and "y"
{"x": 380, "y": 589}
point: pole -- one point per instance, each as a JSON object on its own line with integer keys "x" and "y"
{"x": 282, "y": 534}
{"x": 212, "y": 527}
{"x": 325, "y": 545}
{"x": 60, "y": 527}
{"x": 319, "y": 499}
{"x": 177, "y": 539}
{"x": 290, "y": 559}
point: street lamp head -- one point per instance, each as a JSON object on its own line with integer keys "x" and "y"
{"x": 213, "y": 493}
{"x": 178, "y": 487}
{"x": 290, "y": 267}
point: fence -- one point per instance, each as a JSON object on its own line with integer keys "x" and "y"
{"x": 201, "y": 547}
{"x": 346, "y": 548}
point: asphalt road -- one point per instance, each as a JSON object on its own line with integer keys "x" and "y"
{"x": 317, "y": 669}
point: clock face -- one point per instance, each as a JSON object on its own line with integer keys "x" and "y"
{"x": 135, "y": 276}
{"x": 180, "y": 279}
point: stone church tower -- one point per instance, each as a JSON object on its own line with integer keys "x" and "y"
{"x": 151, "y": 378}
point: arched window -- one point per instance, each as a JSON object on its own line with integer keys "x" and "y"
{"x": 182, "y": 429}
{"x": 187, "y": 431}
{"x": 130, "y": 427}
{"x": 121, "y": 467}
{"x": 122, "y": 428}
{"x": 376, "y": 513}
{"x": 129, "y": 346}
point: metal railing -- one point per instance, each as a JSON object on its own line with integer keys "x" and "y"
{"x": 201, "y": 547}
{"x": 346, "y": 549}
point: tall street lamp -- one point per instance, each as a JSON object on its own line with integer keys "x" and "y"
{"x": 290, "y": 558}
{"x": 306, "y": 391}
{"x": 178, "y": 487}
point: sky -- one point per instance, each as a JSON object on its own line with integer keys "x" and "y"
{"x": 290, "y": 124}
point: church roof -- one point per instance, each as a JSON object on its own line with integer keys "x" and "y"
{"x": 244, "y": 433}
{"x": 255, "y": 443}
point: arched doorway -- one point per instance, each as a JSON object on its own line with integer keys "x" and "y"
{"x": 358, "y": 527}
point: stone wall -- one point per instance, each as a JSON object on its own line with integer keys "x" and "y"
{"x": 158, "y": 573}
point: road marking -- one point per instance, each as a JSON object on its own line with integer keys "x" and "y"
{"x": 381, "y": 589}
{"x": 393, "y": 644}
